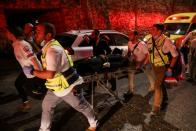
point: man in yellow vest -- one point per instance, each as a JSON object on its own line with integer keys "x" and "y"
{"x": 161, "y": 46}
{"x": 62, "y": 78}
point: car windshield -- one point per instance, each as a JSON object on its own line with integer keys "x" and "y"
{"x": 66, "y": 40}
{"x": 177, "y": 28}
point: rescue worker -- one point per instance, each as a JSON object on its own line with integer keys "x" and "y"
{"x": 38, "y": 86}
{"x": 29, "y": 36}
{"x": 191, "y": 39}
{"x": 138, "y": 52}
{"x": 161, "y": 46}
{"x": 27, "y": 59}
{"x": 62, "y": 78}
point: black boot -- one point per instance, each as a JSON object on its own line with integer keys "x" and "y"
{"x": 164, "y": 106}
{"x": 127, "y": 96}
{"x": 113, "y": 84}
{"x": 164, "y": 103}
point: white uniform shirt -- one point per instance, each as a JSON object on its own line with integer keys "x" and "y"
{"x": 140, "y": 51}
{"x": 193, "y": 47}
{"x": 23, "y": 53}
{"x": 190, "y": 37}
{"x": 56, "y": 60}
{"x": 168, "y": 46}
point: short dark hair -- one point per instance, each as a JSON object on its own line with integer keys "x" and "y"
{"x": 135, "y": 32}
{"x": 49, "y": 28}
{"x": 16, "y": 31}
{"x": 159, "y": 26}
{"x": 97, "y": 32}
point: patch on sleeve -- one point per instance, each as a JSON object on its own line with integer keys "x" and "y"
{"x": 28, "y": 52}
{"x": 29, "y": 55}
{"x": 26, "y": 49}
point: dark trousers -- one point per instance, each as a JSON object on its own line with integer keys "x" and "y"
{"x": 19, "y": 84}
{"x": 193, "y": 68}
{"x": 165, "y": 94}
{"x": 33, "y": 84}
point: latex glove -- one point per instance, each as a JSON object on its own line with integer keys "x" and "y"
{"x": 168, "y": 73}
{"x": 28, "y": 71}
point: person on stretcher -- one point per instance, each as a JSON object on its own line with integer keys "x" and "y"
{"x": 100, "y": 50}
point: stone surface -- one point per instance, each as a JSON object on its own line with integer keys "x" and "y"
{"x": 180, "y": 116}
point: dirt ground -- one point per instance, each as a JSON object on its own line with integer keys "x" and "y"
{"x": 133, "y": 113}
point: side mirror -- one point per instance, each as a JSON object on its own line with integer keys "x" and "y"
{"x": 70, "y": 51}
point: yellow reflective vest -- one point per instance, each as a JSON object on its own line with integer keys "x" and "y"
{"x": 157, "y": 57}
{"x": 59, "y": 82}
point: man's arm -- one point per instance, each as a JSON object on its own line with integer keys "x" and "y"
{"x": 174, "y": 54}
{"x": 29, "y": 54}
{"x": 36, "y": 64}
{"x": 186, "y": 39}
{"x": 53, "y": 58}
{"x": 173, "y": 62}
{"x": 143, "y": 62}
{"x": 146, "y": 57}
{"x": 145, "y": 50}
{"x": 129, "y": 48}
{"x": 46, "y": 74}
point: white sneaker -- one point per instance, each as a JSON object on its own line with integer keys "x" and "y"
{"x": 106, "y": 64}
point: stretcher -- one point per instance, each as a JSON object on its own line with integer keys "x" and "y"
{"x": 94, "y": 70}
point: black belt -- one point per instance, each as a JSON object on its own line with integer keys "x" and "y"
{"x": 71, "y": 75}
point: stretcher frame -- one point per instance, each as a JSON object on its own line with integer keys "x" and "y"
{"x": 102, "y": 80}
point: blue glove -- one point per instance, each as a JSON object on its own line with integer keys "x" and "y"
{"x": 28, "y": 71}
{"x": 168, "y": 73}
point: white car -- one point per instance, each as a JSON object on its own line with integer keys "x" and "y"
{"x": 74, "y": 40}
